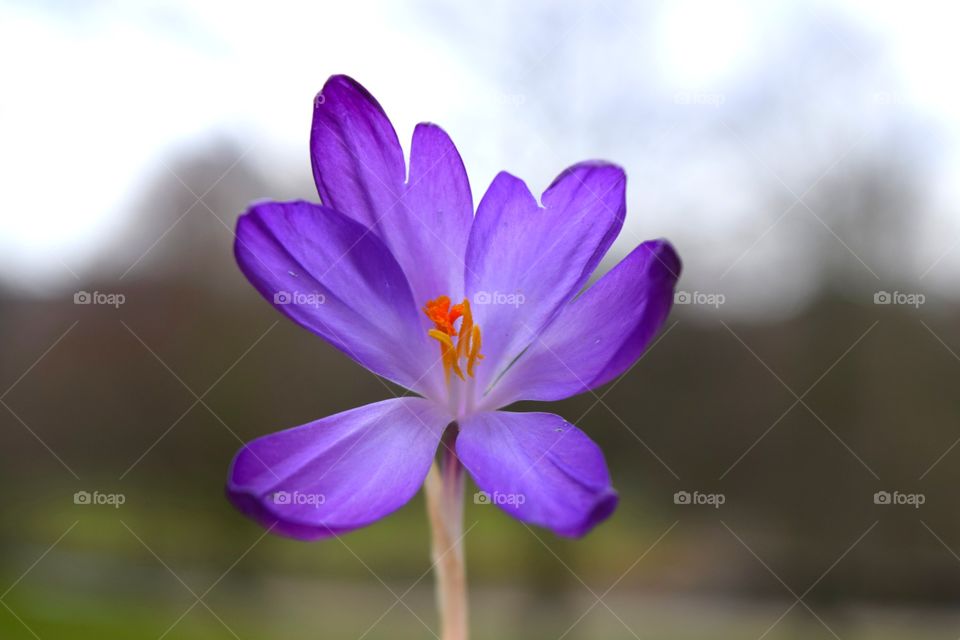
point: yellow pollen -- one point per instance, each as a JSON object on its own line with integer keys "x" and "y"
{"x": 455, "y": 344}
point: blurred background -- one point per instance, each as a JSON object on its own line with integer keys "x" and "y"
{"x": 785, "y": 452}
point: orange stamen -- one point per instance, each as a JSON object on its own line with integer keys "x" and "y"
{"x": 439, "y": 312}
{"x": 475, "y": 354}
{"x": 467, "y": 343}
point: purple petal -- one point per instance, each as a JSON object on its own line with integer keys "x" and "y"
{"x": 357, "y": 161}
{"x": 338, "y": 473}
{"x": 359, "y": 170}
{"x": 600, "y": 334}
{"x": 429, "y": 232}
{"x": 332, "y": 276}
{"x": 538, "y": 468}
{"x": 525, "y": 262}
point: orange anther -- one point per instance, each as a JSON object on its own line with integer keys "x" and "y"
{"x": 467, "y": 343}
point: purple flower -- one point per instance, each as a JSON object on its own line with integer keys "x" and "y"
{"x": 470, "y": 312}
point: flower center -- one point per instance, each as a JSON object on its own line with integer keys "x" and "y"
{"x": 456, "y": 345}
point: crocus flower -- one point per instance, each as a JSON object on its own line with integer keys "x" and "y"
{"x": 469, "y": 312}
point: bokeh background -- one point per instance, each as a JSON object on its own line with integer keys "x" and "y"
{"x": 803, "y": 157}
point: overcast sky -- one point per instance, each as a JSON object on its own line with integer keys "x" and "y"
{"x": 94, "y": 99}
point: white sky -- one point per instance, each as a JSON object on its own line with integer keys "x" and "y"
{"x": 91, "y": 99}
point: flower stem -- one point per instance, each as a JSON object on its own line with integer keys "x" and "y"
{"x": 444, "y": 491}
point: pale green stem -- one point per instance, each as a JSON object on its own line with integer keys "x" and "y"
{"x": 444, "y": 492}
